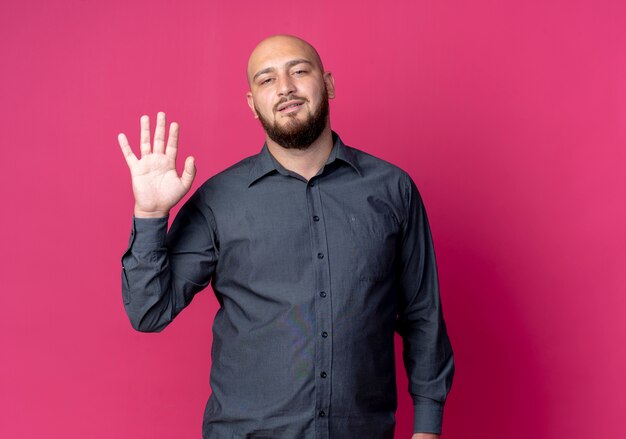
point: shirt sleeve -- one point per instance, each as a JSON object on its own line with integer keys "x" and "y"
{"x": 427, "y": 352}
{"x": 162, "y": 271}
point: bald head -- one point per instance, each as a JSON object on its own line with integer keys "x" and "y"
{"x": 280, "y": 48}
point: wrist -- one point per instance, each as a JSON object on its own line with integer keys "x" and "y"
{"x": 154, "y": 214}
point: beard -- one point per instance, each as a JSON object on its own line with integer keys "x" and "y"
{"x": 295, "y": 134}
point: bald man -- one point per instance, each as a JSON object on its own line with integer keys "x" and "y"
{"x": 317, "y": 253}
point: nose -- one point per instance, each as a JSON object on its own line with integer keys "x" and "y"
{"x": 285, "y": 85}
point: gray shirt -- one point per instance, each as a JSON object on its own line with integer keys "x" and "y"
{"x": 313, "y": 278}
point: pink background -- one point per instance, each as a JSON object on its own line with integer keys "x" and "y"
{"x": 509, "y": 115}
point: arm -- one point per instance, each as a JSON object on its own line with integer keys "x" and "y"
{"x": 427, "y": 352}
{"x": 161, "y": 272}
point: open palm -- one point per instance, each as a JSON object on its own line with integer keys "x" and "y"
{"x": 156, "y": 184}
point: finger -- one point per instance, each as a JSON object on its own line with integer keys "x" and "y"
{"x": 126, "y": 149}
{"x": 159, "y": 134}
{"x": 144, "y": 143}
{"x": 172, "y": 141}
{"x": 188, "y": 173}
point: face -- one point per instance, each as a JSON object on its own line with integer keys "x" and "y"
{"x": 289, "y": 91}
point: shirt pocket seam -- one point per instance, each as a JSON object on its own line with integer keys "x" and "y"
{"x": 370, "y": 259}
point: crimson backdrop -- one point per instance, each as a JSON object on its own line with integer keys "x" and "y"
{"x": 509, "y": 115}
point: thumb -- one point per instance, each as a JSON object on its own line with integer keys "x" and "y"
{"x": 189, "y": 172}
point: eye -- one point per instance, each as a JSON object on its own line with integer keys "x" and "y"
{"x": 300, "y": 72}
{"x": 266, "y": 81}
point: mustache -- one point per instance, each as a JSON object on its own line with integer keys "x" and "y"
{"x": 287, "y": 99}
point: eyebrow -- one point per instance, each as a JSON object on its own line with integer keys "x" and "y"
{"x": 288, "y": 64}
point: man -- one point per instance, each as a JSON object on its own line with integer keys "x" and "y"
{"x": 317, "y": 252}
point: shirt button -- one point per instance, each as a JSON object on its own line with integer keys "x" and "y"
{"x": 320, "y": 256}
{"x": 323, "y": 293}
{"x": 324, "y": 334}
{"x": 323, "y": 375}
{"x": 322, "y": 413}
{"x": 311, "y": 183}
{"x": 316, "y": 218}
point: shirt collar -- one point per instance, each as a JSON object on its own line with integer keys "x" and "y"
{"x": 264, "y": 163}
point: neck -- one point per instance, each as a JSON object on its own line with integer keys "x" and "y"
{"x": 305, "y": 162}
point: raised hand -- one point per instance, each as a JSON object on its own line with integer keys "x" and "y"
{"x": 156, "y": 184}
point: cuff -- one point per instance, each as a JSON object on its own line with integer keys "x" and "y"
{"x": 428, "y": 415}
{"x": 148, "y": 231}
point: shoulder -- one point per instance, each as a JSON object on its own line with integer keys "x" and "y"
{"x": 235, "y": 174}
{"x": 393, "y": 181}
{"x": 229, "y": 181}
{"x": 221, "y": 192}
{"x": 387, "y": 173}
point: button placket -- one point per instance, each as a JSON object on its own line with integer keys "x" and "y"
{"x": 323, "y": 311}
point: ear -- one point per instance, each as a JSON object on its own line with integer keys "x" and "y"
{"x": 251, "y": 104}
{"x": 329, "y": 80}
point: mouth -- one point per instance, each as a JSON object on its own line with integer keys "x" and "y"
{"x": 290, "y": 106}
